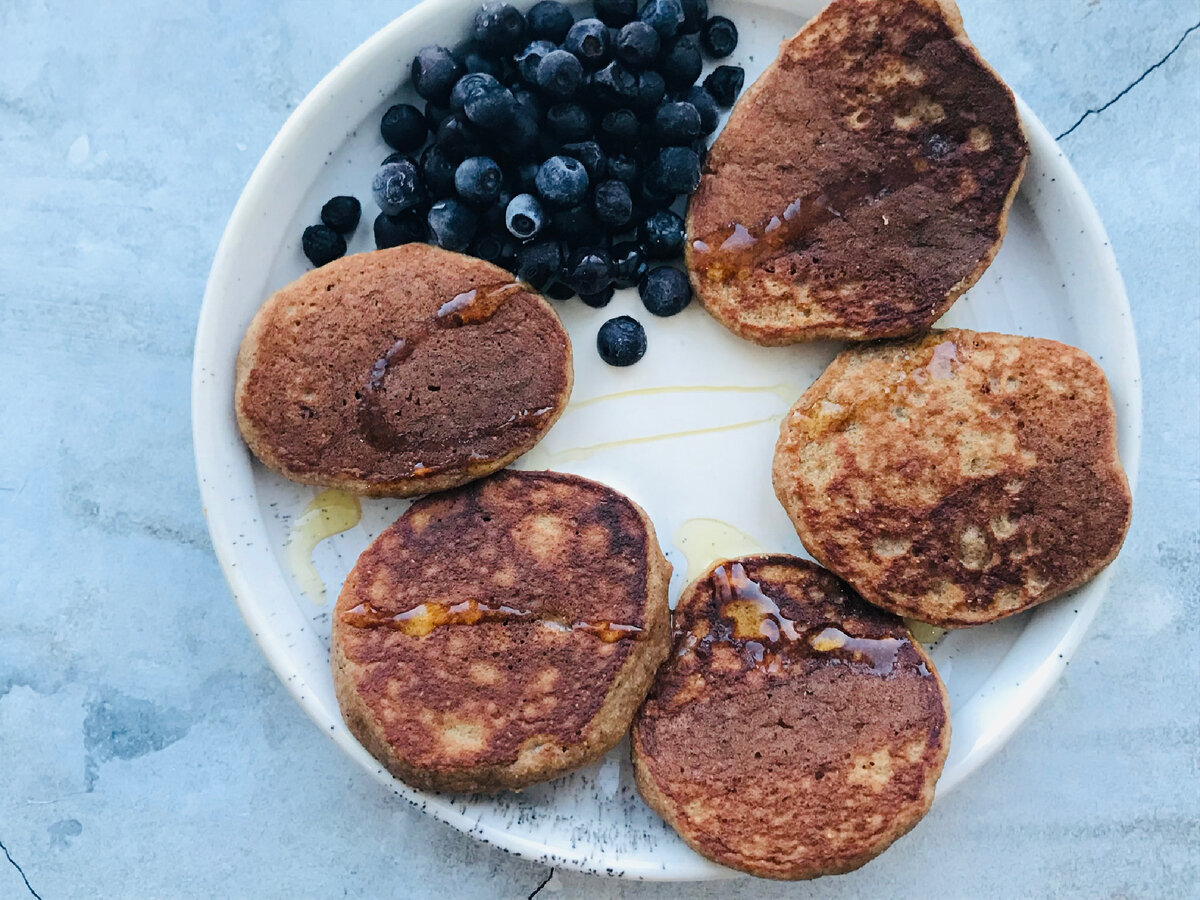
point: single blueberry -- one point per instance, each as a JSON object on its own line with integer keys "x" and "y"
{"x": 623, "y": 168}
{"x": 664, "y": 16}
{"x": 614, "y": 205}
{"x": 457, "y": 139}
{"x": 599, "y": 300}
{"x": 650, "y": 93}
{"x": 577, "y": 224}
{"x": 524, "y": 218}
{"x": 676, "y": 124}
{"x": 499, "y": 27}
{"x": 725, "y": 83}
{"x": 549, "y": 20}
{"x": 569, "y": 121}
{"x": 619, "y": 131}
{"x": 588, "y": 42}
{"x": 588, "y": 271}
{"x": 403, "y": 128}
{"x": 452, "y": 224}
{"x": 661, "y": 235}
{"x": 494, "y": 107}
{"x": 531, "y": 57}
{"x": 637, "y": 45}
{"x": 562, "y": 181}
{"x": 434, "y": 72}
{"x": 675, "y": 170}
{"x": 648, "y": 199}
{"x": 398, "y": 186}
{"x": 593, "y": 158}
{"x": 621, "y": 341}
{"x": 342, "y": 214}
{"x": 322, "y": 244}
{"x": 614, "y": 85}
{"x": 438, "y": 171}
{"x": 695, "y": 14}
{"x": 556, "y": 290}
{"x": 559, "y": 74}
{"x": 719, "y": 37}
{"x": 472, "y": 84}
{"x": 407, "y": 228}
{"x": 628, "y": 262}
{"x": 680, "y": 63}
{"x": 705, "y": 105}
{"x": 615, "y": 13}
{"x": 538, "y": 262}
{"x": 665, "y": 291}
{"x": 487, "y": 246}
{"x": 478, "y": 180}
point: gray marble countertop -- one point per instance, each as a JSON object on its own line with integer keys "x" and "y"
{"x": 147, "y": 751}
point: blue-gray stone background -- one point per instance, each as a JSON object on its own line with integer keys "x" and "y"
{"x": 147, "y": 751}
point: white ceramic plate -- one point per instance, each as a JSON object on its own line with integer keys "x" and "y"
{"x": 1054, "y": 277}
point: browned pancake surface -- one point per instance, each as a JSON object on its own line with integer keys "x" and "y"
{"x": 501, "y": 633}
{"x": 861, "y": 184}
{"x": 959, "y": 477}
{"x": 795, "y": 731}
{"x": 400, "y": 371}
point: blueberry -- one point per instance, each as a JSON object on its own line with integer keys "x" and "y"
{"x": 650, "y": 93}
{"x": 664, "y": 16}
{"x": 588, "y": 41}
{"x": 577, "y": 224}
{"x": 628, "y": 262}
{"x": 528, "y": 59}
{"x": 342, "y": 214}
{"x": 457, "y": 139}
{"x": 499, "y": 27}
{"x": 549, "y": 21}
{"x": 406, "y": 228}
{"x": 494, "y": 216}
{"x": 524, "y": 218}
{"x": 529, "y": 103}
{"x": 615, "y": 13}
{"x": 569, "y": 121}
{"x": 661, "y": 235}
{"x": 470, "y": 85}
{"x": 599, "y": 300}
{"x": 520, "y": 139}
{"x": 725, "y": 83}
{"x": 434, "y": 72}
{"x": 435, "y": 114}
{"x": 478, "y": 180}
{"x": 538, "y": 262}
{"x": 562, "y": 181}
{"x": 493, "y": 106}
{"x": 665, "y": 291}
{"x": 676, "y": 124}
{"x": 452, "y": 224}
{"x": 614, "y": 85}
{"x": 398, "y": 186}
{"x": 556, "y": 290}
{"x": 588, "y": 271}
{"x": 719, "y": 37}
{"x": 322, "y": 244}
{"x": 676, "y": 170}
{"x": 476, "y": 60}
{"x": 621, "y": 341}
{"x": 680, "y": 63}
{"x": 623, "y": 168}
{"x": 614, "y": 205}
{"x": 695, "y": 15}
{"x": 559, "y": 74}
{"x": 637, "y": 45}
{"x": 438, "y": 171}
{"x": 619, "y": 131}
{"x": 593, "y": 158}
{"x": 706, "y": 106}
{"x": 487, "y": 246}
{"x": 403, "y": 128}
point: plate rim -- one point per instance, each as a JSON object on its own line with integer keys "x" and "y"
{"x": 209, "y": 458}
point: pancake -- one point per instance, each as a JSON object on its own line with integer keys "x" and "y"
{"x": 400, "y": 372}
{"x": 959, "y": 477}
{"x": 503, "y": 633}
{"x": 795, "y": 731}
{"x": 861, "y": 184}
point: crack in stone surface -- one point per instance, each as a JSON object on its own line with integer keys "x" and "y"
{"x": 1097, "y": 110}
{"x": 545, "y": 881}
{"x": 29, "y": 886}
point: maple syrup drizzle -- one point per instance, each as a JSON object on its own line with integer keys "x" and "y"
{"x": 329, "y": 513}
{"x": 703, "y": 540}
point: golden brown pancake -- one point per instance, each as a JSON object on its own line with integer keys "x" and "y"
{"x": 958, "y": 477}
{"x": 862, "y": 183}
{"x": 501, "y": 634}
{"x": 400, "y": 372}
{"x": 795, "y": 731}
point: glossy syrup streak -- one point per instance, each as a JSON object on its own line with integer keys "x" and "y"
{"x": 471, "y": 307}
{"x": 329, "y": 513}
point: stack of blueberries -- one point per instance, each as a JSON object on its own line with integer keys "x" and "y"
{"x": 559, "y": 148}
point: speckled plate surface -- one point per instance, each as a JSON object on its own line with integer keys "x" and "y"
{"x": 688, "y": 433}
